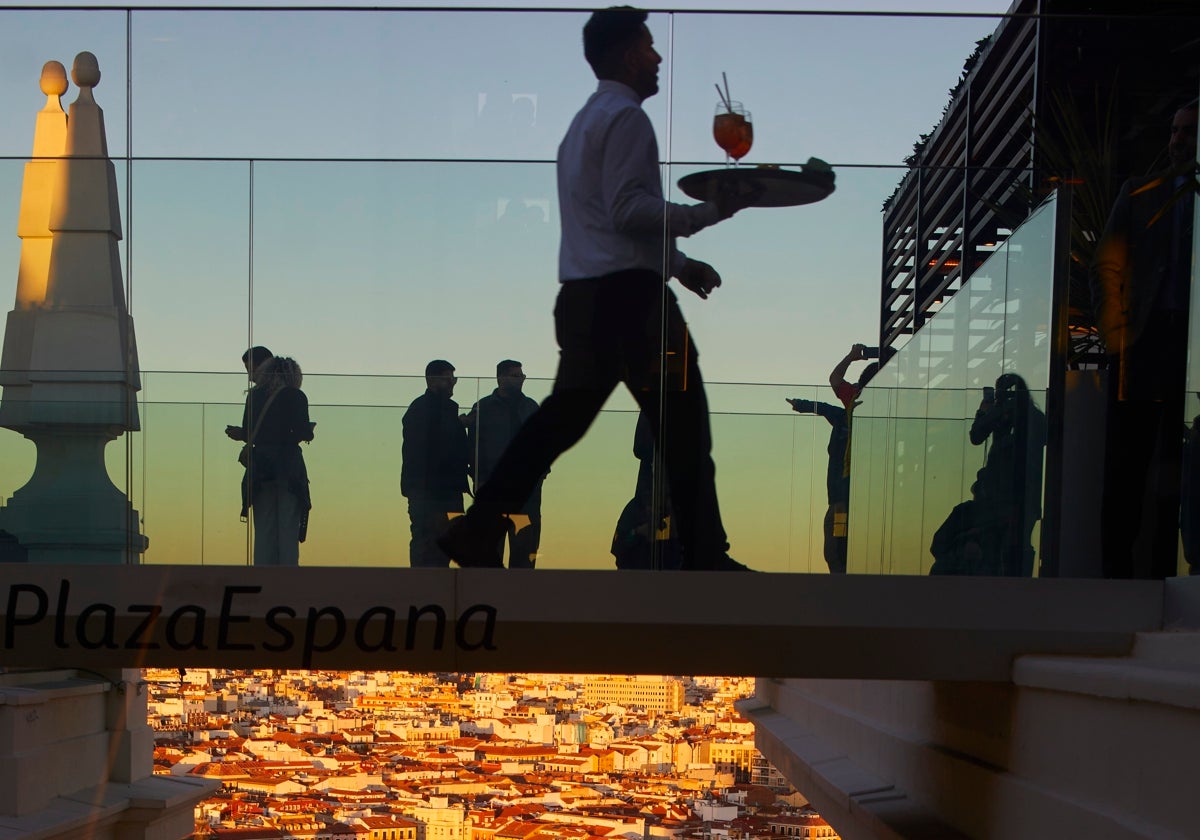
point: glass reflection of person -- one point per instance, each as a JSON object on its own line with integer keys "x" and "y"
{"x": 616, "y": 251}
{"x": 491, "y": 424}
{"x": 1140, "y": 282}
{"x": 837, "y": 481}
{"x": 837, "y": 514}
{"x": 275, "y": 485}
{"x": 991, "y": 533}
{"x": 433, "y": 473}
{"x": 1009, "y": 487}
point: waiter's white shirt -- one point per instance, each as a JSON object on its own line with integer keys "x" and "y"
{"x": 610, "y": 193}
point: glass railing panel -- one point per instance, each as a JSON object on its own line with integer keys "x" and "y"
{"x": 191, "y": 256}
{"x": 12, "y": 174}
{"x": 811, "y": 89}
{"x": 907, "y": 508}
{"x": 370, "y": 85}
{"x": 397, "y": 264}
{"x": 873, "y": 471}
{"x": 185, "y": 472}
{"x": 984, "y": 340}
{"x": 29, "y": 38}
{"x": 968, "y": 454}
{"x": 755, "y": 453}
{"x": 187, "y": 479}
{"x": 586, "y": 491}
{"x": 811, "y": 472}
{"x": 800, "y": 284}
{"x": 1027, "y": 298}
{"x": 951, "y": 463}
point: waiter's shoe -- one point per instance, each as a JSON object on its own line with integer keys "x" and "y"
{"x": 473, "y": 541}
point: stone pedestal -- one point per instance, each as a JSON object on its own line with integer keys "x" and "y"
{"x": 69, "y": 367}
{"x": 70, "y": 511}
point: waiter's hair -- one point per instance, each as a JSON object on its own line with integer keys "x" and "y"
{"x": 607, "y": 34}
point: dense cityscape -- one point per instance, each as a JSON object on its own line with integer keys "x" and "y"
{"x": 404, "y": 756}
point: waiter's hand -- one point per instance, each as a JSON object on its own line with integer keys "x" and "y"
{"x": 700, "y": 277}
{"x": 732, "y": 197}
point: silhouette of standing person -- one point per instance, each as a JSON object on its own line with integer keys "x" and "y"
{"x": 616, "y": 252}
{"x": 254, "y": 359}
{"x": 1141, "y": 280}
{"x": 275, "y": 484}
{"x": 1009, "y": 486}
{"x": 837, "y": 516}
{"x": 491, "y": 425}
{"x": 991, "y": 533}
{"x": 837, "y": 481}
{"x": 433, "y": 475}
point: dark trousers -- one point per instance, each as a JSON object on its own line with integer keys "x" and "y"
{"x": 524, "y": 540}
{"x": 611, "y": 330}
{"x": 429, "y": 518}
{"x": 836, "y": 537}
{"x": 1144, "y": 440}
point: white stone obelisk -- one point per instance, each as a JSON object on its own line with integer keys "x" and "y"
{"x": 69, "y": 367}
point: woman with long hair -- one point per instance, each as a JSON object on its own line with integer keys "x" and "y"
{"x": 275, "y": 485}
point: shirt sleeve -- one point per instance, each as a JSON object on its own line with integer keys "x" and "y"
{"x": 632, "y": 183}
{"x": 846, "y": 392}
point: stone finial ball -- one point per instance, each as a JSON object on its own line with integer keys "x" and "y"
{"x": 54, "y": 78}
{"x": 86, "y": 71}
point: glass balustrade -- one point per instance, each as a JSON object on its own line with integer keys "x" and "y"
{"x": 366, "y": 191}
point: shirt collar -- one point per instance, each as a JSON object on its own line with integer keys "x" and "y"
{"x": 618, "y": 89}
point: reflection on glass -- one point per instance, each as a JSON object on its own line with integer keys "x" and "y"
{"x": 190, "y": 245}
{"x": 491, "y": 424}
{"x": 366, "y": 85}
{"x": 965, "y": 484}
{"x": 990, "y": 533}
{"x": 29, "y": 38}
{"x": 400, "y": 263}
{"x": 364, "y": 269}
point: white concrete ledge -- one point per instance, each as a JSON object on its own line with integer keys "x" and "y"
{"x": 859, "y": 803}
{"x": 94, "y": 812}
{"x": 1165, "y": 669}
{"x": 33, "y": 695}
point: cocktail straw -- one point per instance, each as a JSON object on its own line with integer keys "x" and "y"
{"x": 724, "y": 101}
{"x": 728, "y": 98}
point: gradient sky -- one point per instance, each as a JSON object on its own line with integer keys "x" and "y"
{"x": 403, "y": 262}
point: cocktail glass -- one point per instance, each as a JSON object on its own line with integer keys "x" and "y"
{"x": 733, "y": 130}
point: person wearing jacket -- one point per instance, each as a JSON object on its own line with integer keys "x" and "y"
{"x": 433, "y": 476}
{"x": 275, "y": 484}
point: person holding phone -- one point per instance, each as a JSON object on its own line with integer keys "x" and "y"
{"x": 837, "y": 481}
{"x": 837, "y": 516}
{"x": 275, "y": 485}
{"x": 1008, "y": 489}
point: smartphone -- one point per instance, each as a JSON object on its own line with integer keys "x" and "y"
{"x": 870, "y": 352}
{"x": 989, "y": 393}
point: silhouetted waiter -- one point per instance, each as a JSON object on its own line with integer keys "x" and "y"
{"x": 617, "y": 249}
